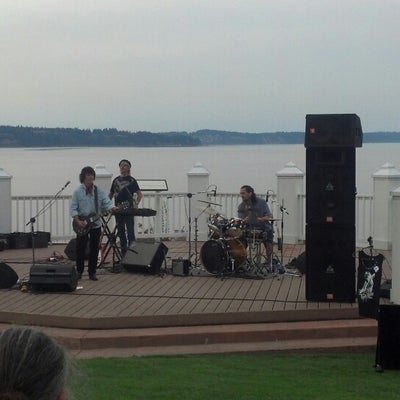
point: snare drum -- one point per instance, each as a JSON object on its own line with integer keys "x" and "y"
{"x": 217, "y": 256}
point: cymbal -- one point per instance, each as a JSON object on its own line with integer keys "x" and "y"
{"x": 209, "y": 202}
{"x": 208, "y": 210}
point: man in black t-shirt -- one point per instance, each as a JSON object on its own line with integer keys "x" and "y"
{"x": 126, "y": 191}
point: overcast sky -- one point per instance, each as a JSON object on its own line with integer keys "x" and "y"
{"x": 166, "y": 65}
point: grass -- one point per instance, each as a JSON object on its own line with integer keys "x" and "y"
{"x": 244, "y": 377}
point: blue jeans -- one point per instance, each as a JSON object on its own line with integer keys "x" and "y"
{"x": 126, "y": 231}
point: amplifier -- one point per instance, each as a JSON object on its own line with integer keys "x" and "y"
{"x": 180, "y": 267}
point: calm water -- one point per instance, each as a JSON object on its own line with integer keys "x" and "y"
{"x": 45, "y": 171}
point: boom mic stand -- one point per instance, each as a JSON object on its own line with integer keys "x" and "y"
{"x": 283, "y": 270}
{"x": 189, "y": 196}
{"x": 32, "y": 220}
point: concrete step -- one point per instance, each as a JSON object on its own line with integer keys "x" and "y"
{"x": 332, "y": 334}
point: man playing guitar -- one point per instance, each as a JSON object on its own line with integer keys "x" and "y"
{"x": 126, "y": 190}
{"x": 88, "y": 203}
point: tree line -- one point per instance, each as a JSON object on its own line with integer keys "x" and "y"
{"x": 20, "y": 136}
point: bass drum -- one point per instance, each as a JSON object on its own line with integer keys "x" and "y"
{"x": 217, "y": 256}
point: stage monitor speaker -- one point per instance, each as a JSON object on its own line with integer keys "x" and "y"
{"x": 70, "y": 250}
{"x": 388, "y": 346}
{"x": 55, "y": 277}
{"x": 337, "y": 130}
{"x": 8, "y": 277}
{"x": 330, "y": 185}
{"x": 144, "y": 256}
{"x": 330, "y": 263}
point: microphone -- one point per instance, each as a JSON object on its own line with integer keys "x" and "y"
{"x": 68, "y": 182}
{"x": 283, "y": 209}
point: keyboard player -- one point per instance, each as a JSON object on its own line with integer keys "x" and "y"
{"x": 125, "y": 190}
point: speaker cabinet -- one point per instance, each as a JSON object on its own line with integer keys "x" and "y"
{"x": 388, "y": 348}
{"x": 8, "y": 277}
{"x": 327, "y": 130}
{"x": 53, "y": 277}
{"x": 144, "y": 256}
{"x": 70, "y": 250}
{"x": 330, "y": 185}
{"x": 330, "y": 263}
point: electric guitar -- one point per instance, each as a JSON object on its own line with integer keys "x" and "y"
{"x": 91, "y": 219}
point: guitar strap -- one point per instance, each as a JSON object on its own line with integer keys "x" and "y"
{"x": 96, "y": 200}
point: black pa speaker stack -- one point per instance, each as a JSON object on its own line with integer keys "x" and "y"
{"x": 330, "y": 141}
{"x": 145, "y": 257}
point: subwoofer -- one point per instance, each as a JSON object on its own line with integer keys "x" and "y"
{"x": 147, "y": 257}
{"x": 53, "y": 277}
{"x": 330, "y": 263}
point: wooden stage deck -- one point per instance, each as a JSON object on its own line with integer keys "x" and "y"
{"x": 138, "y": 300}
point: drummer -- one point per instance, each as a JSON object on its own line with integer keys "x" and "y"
{"x": 255, "y": 213}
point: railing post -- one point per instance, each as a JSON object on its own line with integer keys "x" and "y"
{"x": 5, "y": 202}
{"x": 395, "y": 291}
{"x": 198, "y": 182}
{"x": 103, "y": 177}
{"x": 103, "y": 181}
{"x": 386, "y": 179}
{"x": 290, "y": 184}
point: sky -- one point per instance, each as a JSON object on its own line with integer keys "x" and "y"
{"x": 185, "y": 65}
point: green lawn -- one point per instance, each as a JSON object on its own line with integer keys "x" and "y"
{"x": 244, "y": 377}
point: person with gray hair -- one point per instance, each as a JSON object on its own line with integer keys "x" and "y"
{"x": 33, "y": 366}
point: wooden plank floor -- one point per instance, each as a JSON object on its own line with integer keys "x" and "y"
{"x": 135, "y": 299}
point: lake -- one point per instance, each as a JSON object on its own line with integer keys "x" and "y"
{"x": 45, "y": 171}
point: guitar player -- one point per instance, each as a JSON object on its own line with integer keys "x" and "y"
{"x": 88, "y": 201}
{"x": 125, "y": 189}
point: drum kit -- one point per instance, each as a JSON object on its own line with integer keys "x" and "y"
{"x": 233, "y": 249}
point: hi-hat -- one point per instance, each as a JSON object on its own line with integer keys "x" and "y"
{"x": 209, "y": 202}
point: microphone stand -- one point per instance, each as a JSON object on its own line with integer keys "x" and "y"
{"x": 189, "y": 196}
{"x": 284, "y": 270}
{"x": 32, "y": 220}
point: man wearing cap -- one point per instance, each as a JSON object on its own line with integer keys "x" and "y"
{"x": 126, "y": 191}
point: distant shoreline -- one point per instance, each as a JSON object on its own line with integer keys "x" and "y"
{"x": 32, "y": 137}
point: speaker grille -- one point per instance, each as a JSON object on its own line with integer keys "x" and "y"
{"x": 330, "y": 263}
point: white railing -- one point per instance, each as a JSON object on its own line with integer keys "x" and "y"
{"x": 171, "y": 220}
